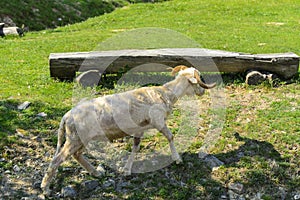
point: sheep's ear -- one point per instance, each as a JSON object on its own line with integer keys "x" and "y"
{"x": 178, "y": 68}
{"x": 193, "y": 80}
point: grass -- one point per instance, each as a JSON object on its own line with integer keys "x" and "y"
{"x": 42, "y": 15}
{"x": 259, "y": 142}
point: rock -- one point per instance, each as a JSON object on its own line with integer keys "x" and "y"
{"x": 100, "y": 170}
{"x": 88, "y": 186}
{"x": 109, "y": 183}
{"x": 24, "y": 105}
{"x": 202, "y": 155}
{"x": 89, "y": 78}
{"x": 16, "y": 168}
{"x": 258, "y": 195}
{"x": 236, "y": 187}
{"x": 7, "y": 20}
{"x": 26, "y": 198}
{"x": 235, "y": 196}
{"x": 282, "y": 192}
{"x": 42, "y": 114}
{"x": 68, "y": 192}
{"x": 36, "y": 184}
{"x": 213, "y": 162}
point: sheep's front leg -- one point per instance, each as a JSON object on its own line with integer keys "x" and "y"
{"x": 168, "y": 134}
{"x": 135, "y": 149}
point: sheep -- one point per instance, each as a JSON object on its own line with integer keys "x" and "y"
{"x": 106, "y": 118}
{"x": 10, "y": 30}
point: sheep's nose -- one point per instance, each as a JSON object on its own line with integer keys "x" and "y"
{"x": 200, "y": 92}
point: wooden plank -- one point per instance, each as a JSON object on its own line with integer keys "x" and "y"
{"x": 65, "y": 65}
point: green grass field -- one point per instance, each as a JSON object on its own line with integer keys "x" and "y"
{"x": 259, "y": 143}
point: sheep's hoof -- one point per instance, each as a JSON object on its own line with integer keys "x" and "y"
{"x": 126, "y": 171}
{"x": 46, "y": 192}
{"x": 177, "y": 158}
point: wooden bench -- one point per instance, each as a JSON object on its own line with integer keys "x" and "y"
{"x": 65, "y": 65}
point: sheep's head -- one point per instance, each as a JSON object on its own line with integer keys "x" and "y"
{"x": 193, "y": 76}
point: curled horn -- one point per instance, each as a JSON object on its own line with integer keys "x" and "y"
{"x": 177, "y": 69}
{"x": 205, "y": 86}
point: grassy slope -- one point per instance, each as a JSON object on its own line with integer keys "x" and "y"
{"x": 229, "y": 25}
{"x": 41, "y": 15}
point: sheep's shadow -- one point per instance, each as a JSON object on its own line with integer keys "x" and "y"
{"x": 193, "y": 178}
{"x": 195, "y": 173}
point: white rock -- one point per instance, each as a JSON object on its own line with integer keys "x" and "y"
{"x": 24, "y": 105}
{"x": 42, "y": 114}
{"x": 16, "y": 168}
{"x": 100, "y": 169}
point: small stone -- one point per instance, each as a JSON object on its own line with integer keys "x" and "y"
{"x": 42, "y": 114}
{"x": 258, "y": 195}
{"x": 223, "y": 196}
{"x": 236, "y": 187}
{"x": 240, "y": 155}
{"x": 24, "y": 105}
{"x": 90, "y": 185}
{"x": 36, "y": 184}
{"x": 25, "y": 198}
{"x": 68, "y": 191}
{"x": 100, "y": 169}
{"x": 213, "y": 162}
{"x": 109, "y": 183}
{"x": 282, "y": 192}
{"x": 67, "y": 169}
{"x": 16, "y": 168}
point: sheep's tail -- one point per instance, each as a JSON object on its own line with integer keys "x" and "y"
{"x": 60, "y": 135}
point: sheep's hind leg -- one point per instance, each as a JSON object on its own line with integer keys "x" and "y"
{"x": 86, "y": 164}
{"x": 67, "y": 150}
{"x": 135, "y": 149}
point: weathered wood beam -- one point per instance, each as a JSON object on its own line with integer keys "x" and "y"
{"x": 65, "y": 65}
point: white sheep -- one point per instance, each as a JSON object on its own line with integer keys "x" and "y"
{"x": 118, "y": 115}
